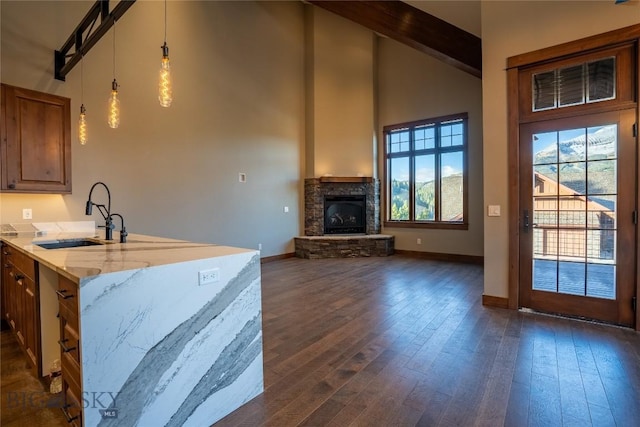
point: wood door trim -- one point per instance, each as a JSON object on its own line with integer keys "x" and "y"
{"x": 637, "y": 188}
{"x": 513, "y": 150}
{"x": 610, "y": 38}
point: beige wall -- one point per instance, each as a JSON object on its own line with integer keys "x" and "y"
{"x": 340, "y": 104}
{"x": 238, "y": 107}
{"x": 510, "y": 28}
{"x": 414, "y": 86}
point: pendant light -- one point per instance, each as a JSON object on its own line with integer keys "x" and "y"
{"x": 113, "y": 118}
{"x": 82, "y": 122}
{"x": 165, "y": 95}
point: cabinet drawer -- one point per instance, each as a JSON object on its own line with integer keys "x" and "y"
{"x": 69, "y": 336}
{"x": 22, "y": 262}
{"x": 72, "y": 405}
{"x": 69, "y": 319}
{"x": 68, "y": 294}
{"x": 71, "y": 373}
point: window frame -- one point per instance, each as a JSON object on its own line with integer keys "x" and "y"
{"x": 437, "y": 151}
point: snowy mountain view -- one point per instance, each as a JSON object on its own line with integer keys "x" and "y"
{"x": 582, "y": 159}
{"x": 601, "y": 144}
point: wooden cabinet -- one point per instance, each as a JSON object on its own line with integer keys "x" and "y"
{"x": 21, "y": 310}
{"x": 70, "y": 349}
{"x": 35, "y": 141}
{"x": 7, "y": 282}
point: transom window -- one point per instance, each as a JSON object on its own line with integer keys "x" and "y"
{"x": 426, "y": 174}
{"x": 588, "y": 82}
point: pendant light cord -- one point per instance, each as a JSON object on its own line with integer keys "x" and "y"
{"x": 82, "y": 79}
{"x": 165, "y": 21}
{"x": 114, "y": 50}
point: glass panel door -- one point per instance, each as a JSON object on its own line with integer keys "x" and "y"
{"x": 578, "y": 200}
{"x": 574, "y": 211}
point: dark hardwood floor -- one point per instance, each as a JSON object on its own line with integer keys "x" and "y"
{"x": 25, "y": 400}
{"x": 401, "y": 341}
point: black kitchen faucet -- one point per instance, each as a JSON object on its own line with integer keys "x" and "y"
{"x": 104, "y": 210}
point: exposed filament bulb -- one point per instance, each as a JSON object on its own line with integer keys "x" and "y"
{"x": 114, "y": 106}
{"x": 82, "y": 126}
{"x": 165, "y": 95}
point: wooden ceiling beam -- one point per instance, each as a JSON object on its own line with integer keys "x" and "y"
{"x": 413, "y": 27}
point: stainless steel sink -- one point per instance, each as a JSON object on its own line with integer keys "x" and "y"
{"x": 68, "y": 244}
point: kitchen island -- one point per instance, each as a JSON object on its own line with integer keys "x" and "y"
{"x": 168, "y": 332}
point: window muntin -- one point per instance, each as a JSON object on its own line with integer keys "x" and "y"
{"x": 426, "y": 171}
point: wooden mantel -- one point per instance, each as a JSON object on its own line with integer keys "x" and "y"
{"x": 346, "y": 179}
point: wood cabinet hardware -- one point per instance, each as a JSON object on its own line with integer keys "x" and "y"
{"x": 62, "y": 293}
{"x": 65, "y": 349}
{"x": 68, "y": 416}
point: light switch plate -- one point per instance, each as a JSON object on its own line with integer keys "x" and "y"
{"x": 493, "y": 210}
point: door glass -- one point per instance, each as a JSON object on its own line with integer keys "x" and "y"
{"x": 574, "y": 211}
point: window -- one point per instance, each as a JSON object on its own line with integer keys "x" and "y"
{"x": 426, "y": 174}
{"x": 588, "y": 82}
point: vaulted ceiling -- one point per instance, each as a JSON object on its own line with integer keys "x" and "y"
{"x": 414, "y": 27}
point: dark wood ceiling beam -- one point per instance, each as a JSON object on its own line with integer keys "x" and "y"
{"x": 414, "y": 27}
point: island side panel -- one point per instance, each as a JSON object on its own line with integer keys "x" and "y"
{"x": 49, "y": 325}
{"x": 160, "y": 349}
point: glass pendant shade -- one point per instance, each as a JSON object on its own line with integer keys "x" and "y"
{"x": 114, "y": 106}
{"x": 82, "y": 126}
{"x": 165, "y": 94}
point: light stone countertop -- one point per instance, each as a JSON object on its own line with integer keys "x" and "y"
{"x": 140, "y": 251}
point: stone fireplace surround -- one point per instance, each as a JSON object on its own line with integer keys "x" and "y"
{"x": 315, "y": 244}
{"x": 316, "y": 188}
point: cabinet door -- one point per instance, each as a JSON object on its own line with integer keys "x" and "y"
{"x": 35, "y": 144}
{"x": 4, "y": 277}
{"x": 31, "y": 321}
{"x": 18, "y": 314}
{"x": 10, "y": 291}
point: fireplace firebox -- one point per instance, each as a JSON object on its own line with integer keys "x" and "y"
{"x": 344, "y": 214}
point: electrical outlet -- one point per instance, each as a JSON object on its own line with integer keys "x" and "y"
{"x": 27, "y": 213}
{"x": 419, "y": 241}
{"x": 286, "y": 209}
{"x": 259, "y": 246}
{"x": 208, "y": 276}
